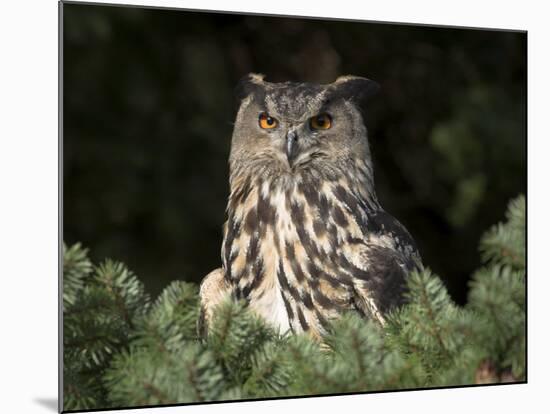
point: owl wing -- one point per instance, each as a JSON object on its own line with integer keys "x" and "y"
{"x": 383, "y": 262}
{"x": 213, "y": 290}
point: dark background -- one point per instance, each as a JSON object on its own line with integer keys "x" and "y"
{"x": 148, "y": 111}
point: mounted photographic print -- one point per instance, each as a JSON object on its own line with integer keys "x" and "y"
{"x": 259, "y": 207}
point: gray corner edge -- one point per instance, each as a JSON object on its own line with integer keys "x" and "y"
{"x": 60, "y": 209}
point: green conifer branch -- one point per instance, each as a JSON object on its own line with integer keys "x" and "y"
{"x": 76, "y": 269}
{"x": 121, "y": 349}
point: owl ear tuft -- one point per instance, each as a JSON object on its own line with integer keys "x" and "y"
{"x": 249, "y": 84}
{"x": 354, "y": 88}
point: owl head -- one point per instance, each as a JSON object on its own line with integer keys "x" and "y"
{"x": 288, "y": 129}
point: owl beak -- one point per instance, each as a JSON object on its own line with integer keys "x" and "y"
{"x": 291, "y": 146}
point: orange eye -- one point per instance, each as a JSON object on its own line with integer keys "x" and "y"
{"x": 321, "y": 121}
{"x": 267, "y": 122}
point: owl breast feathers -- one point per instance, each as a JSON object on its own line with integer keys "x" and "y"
{"x": 305, "y": 238}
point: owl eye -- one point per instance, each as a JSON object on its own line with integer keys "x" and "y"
{"x": 321, "y": 121}
{"x": 267, "y": 122}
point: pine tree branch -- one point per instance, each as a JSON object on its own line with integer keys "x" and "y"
{"x": 434, "y": 326}
{"x": 158, "y": 394}
{"x": 123, "y": 350}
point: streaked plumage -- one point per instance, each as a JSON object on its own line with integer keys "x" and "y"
{"x": 306, "y": 238}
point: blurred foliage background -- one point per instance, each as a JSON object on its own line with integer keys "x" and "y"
{"x": 148, "y": 111}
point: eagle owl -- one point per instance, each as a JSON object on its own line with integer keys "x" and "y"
{"x": 306, "y": 238}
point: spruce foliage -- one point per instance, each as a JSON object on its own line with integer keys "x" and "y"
{"x": 123, "y": 349}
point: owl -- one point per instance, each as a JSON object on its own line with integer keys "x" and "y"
{"x": 306, "y": 238}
